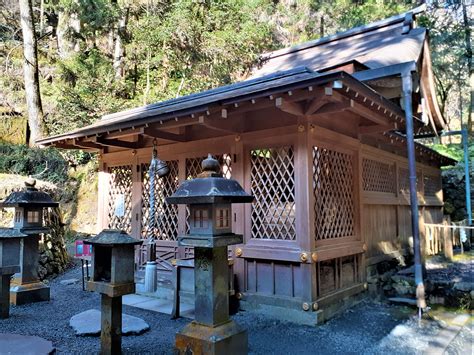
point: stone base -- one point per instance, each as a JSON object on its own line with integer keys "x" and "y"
{"x": 29, "y": 293}
{"x": 228, "y": 338}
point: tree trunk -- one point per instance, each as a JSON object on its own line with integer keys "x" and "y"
{"x": 467, "y": 36}
{"x": 31, "y": 72}
{"x": 119, "y": 51}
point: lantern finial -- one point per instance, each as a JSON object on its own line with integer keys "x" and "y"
{"x": 30, "y": 183}
{"x": 210, "y": 166}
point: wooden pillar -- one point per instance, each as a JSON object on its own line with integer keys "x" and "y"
{"x": 305, "y": 209}
{"x": 238, "y": 210}
{"x": 102, "y": 205}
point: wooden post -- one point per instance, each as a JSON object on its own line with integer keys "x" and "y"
{"x": 448, "y": 242}
{"x": 111, "y": 329}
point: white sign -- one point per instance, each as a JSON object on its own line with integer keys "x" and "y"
{"x": 120, "y": 205}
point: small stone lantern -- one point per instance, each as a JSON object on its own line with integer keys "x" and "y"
{"x": 29, "y": 206}
{"x": 10, "y": 243}
{"x": 209, "y": 198}
{"x": 113, "y": 275}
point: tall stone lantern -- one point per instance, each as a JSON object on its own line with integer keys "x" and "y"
{"x": 10, "y": 242}
{"x": 29, "y": 205}
{"x": 113, "y": 275}
{"x": 209, "y": 198}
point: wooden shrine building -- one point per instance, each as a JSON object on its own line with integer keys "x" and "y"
{"x": 317, "y": 136}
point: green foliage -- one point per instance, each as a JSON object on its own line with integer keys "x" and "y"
{"x": 46, "y": 164}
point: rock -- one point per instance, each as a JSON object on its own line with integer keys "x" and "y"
{"x": 403, "y": 289}
{"x": 404, "y": 280}
{"x": 386, "y": 277}
{"x": 87, "y": 323}
{"x": 408, "y": 271}
{"x": 464, "y": 286}
{"x": 387, "y": 287}
{"x": 24, "y": 344}
{"x": 69, "y": 282}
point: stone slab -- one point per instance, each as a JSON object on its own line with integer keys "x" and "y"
{"x": 29, "y": 293}
{"x": 87, "y": 323}
{"x": 69, "y": 282}
{"x": 24, "y": 344}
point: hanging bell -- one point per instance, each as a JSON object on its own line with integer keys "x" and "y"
{"x": 162, "y": 168}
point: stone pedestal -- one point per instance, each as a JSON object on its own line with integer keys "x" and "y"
{"x": 228, "y": 338}
{"x": 26, "y": 286}
{"x": 5, "y": 296}
{"x": 212, "y": 331}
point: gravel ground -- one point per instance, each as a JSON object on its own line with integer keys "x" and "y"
{"x": 369, "y": 328}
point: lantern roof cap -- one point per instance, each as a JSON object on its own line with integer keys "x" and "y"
{"x": 30, "y": 196}
{"x": 11, "y": 233}
{"x": 209, "y": 187}
{"x": 113, "y": 237}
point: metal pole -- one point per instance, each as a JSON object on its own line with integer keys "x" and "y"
{"x": 466, "y": 173}
{"x": 407, "y": 97}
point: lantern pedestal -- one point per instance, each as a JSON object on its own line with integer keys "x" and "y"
{"x": 212, "y": 332}
{"x": 5, "y": 295}
{"x": 26, "y": 286}
{"x": 228, "y": 338}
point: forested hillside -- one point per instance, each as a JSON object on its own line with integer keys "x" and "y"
{"x": 101, "y": 56}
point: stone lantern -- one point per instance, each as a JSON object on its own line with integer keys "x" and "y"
{"x": 29, "y": 206}
{"x": 113, "y": 275}
{"x": 209, "y": 198}
{"x": 10, "y": 243}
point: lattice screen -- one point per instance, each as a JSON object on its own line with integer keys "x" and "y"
{"x": 333, "y": 184}
{"x": 403, "y": 177}
{"x": 120, "y": 186}
{"x": 378, "y": 176}
{"x": 432, "y": 185}
{"x": 272, "y": 176}
{"x": 166, "y": 215}
{"x": 193, "y": 169}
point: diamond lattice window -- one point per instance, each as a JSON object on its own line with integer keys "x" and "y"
{"x": 432, "y": 185}
{"x": 273, "y": 186}
{"x": 378, "y": 176}
{"x": 403, "y": 177}
{"x": 166, "y": 215}
{"x": 193, "y": 169}
{"x": 120, "y": 197}
{"x": 333, "y": 185}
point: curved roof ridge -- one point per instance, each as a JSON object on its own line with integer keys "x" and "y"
{"x": 341, "y": 35}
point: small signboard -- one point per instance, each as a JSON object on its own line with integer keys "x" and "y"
{"x": 82, "y": 251}
{"x": 119, "y": 205}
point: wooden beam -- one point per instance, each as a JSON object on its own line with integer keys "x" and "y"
{"x": 90, "y": 145}
{"x": 226, "y": 125}
{"x": 156, "y": 133}
{"x": 321, "y": 98}
{"x": 374, "y": 116}
{"x": 118, "y": 143}
{"x": 335, "y": 107}
{"x": 124, "y": 133}
{"x": 290, "y": 107}
{"x": 374, "y": 129}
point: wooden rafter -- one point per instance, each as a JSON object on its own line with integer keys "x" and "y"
{"x": 377, "y": 128}
{"x": 157, "y": 133}
{"x": 90, "y": 145}
{"x": 119, "y": 144}
{"x": 290, "y": 107}
{"x": 332, "y": 107}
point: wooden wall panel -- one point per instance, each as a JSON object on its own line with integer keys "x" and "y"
{"x": 380, "y": 229}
